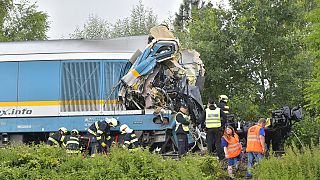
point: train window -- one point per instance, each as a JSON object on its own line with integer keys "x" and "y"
{"x": 80, "y": 86}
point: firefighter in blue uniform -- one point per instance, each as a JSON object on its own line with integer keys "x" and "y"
{"x": 72, "y": 143}
{"x": 130, "y": 138}
{"x": 182, "y": 119}
{"x": 99, "y": 134}
{"x": 58, "y": 137}
{"x": 223, "y": 100}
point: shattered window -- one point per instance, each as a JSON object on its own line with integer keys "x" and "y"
{"x": 113, "y": 72}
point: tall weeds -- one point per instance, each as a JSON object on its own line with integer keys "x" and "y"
{"x": 296, "y": 164}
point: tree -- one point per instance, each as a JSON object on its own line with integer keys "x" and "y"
{"x": 94, "y": 28}
{"x": 183, "y": 16}
{"x": 214, "y": 45}
{"x": 141, "y": 20}
{"x": 252, "y": 53}
{"x": 21, "y": 22}
{"x": 269, "y": 40}
{"x": 139, "y": 23}
{"x": 312, "y": 92}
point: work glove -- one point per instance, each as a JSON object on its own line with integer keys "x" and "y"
{"x": 103, "y": 144}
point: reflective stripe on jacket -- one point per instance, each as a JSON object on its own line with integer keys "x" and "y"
{"x": 234, "y": 147}
{"x": 94, "y": 132}
{"x": 62, "y": 138}
{"x": 226, "y": 109}
{"x": 98, "y": 129}
{"x": 184, "y": 127}
{"x": 72, "y": 144}
{"x": 213, "y": 118}
{"x": 131, "y": 140}
{"x": 253, "y": 140}
{"x": 54, "y": 141}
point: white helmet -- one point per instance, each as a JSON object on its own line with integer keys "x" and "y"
{"x": 63, "y": 129}
{"x": 223, "y": 98}
{"x": 123, "y": 128}
{"x": 112, "y": 121}
{"x": 74, "y": 131}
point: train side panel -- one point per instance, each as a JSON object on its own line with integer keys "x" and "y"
{"x": 38, "y": 88}
{"x": 41, "y": 96}
{"x": 9, "y": 88}
{"x": 143, "y": 122}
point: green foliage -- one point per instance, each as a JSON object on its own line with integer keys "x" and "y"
{"x": 295, "y": 164}
{"x": 139, "y": 23}
{"x": 21, "y": 21}
{"x": 268, "y": 39}
{"x": 253, "y": 49}
{"x": 307, "y": 131}
{"x": 211, "y": 37}
{"x": 94, "y": 28}
{"x": 44, "y": 162}
{"x": 312, "y": 92}
{"x": 245, "y": 109}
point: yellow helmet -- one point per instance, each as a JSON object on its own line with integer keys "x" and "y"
{"x": 223, "y": 98}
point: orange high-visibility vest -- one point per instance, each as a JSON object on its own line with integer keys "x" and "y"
{"x": 253, "y": 140}
{"x": 234, "y": 147}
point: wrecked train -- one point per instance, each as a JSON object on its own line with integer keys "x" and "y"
{"x": 73, "y": 83}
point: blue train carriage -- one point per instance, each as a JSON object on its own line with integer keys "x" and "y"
{"x": 69, "y": 83}
{"x": 74, "y": 83}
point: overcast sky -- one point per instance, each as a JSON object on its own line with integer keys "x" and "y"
{"x": 66, "y": 15}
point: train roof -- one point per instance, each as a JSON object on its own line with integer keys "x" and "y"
{"x": 71, "y": 48}
{"x": 117, "y": 45}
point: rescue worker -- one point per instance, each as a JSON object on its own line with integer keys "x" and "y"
{"x": 182, "y": 128}
{"x": 72, "y": 142}
{"x": 130, "y": 138}
{"x": 58, "y": 137}
{"x": 223, "y": 100}
{"x": 232, "y": 148}
{"x": 255, "y": 144}
{"x": 99, "y": 134}
{"x": 213, "y": 120}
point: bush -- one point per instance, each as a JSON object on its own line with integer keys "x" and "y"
{"x": 308, "y": 131}
{"x": 45, "y": 162}
{"x": 295, "y": 164}
{"x": 244, "y": 108}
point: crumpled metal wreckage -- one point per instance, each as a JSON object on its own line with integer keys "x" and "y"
{"x": 163, "y": 76}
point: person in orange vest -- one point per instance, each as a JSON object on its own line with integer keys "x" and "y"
{"x": 255, "y": 144}
{"x": 232, "y": 148}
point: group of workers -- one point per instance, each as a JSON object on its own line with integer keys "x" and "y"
{"x": 99, "y": 139}
{"x": 211, "y": 120}
{"x": 221, "y": 137}
{"x": 71, "y": 142}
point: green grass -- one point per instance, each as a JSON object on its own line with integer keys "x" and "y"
{"x": 45, "y": 162}
{"x": 295, "y": 164}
